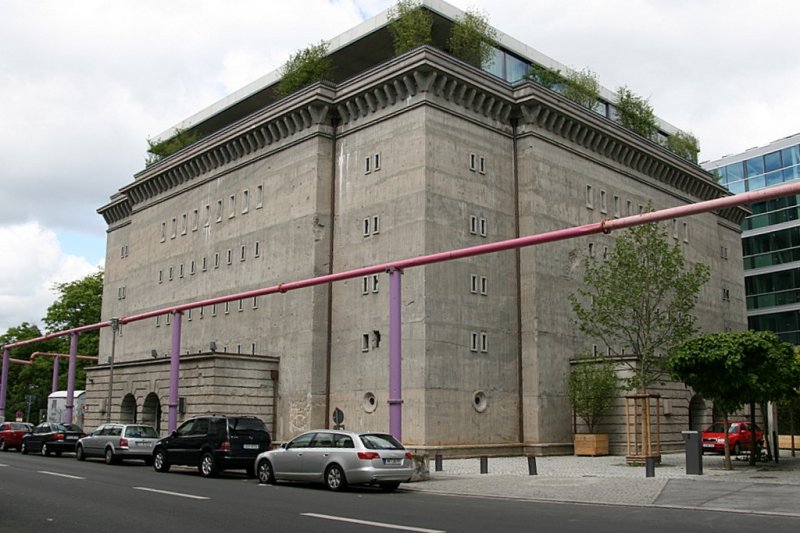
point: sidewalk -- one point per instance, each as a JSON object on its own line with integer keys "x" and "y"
{"x": 767, "y": 488}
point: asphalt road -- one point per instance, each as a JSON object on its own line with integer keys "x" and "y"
{"x": 61, "y": 494}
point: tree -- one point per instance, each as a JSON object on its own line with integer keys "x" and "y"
{"x": 544, "y": 76}
{"x": 592, "y": 387}
{"x": 27, "y": 380}
{"x": 582, "y": 87}
{"x": 161, "y": 149}
{"x": 635, "y": 113}
{"x": 735, "y": 368}
{"x": 305, "y": 67}
{"x": 640, "y": 300}
{"x": 472, "y": 39}
{"x": 685, "y": 145}
{"x": 411, "y": 25}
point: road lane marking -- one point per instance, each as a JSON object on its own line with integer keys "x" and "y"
{"x": 375, "y": 524}
{"x": 181, "y": 494}
{"x": 59, "y": 475}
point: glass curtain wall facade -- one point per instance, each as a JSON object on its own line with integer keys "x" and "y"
{"x": 770, "y": 236}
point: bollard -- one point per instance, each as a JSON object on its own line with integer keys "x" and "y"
{"x": 437, "y": 462}
{"x": 484, "y": 464}
{"x": 532, "y": 465}
{"x": 650, "y": 466}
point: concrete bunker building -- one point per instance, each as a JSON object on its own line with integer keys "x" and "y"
{"x": 396, "y": 157}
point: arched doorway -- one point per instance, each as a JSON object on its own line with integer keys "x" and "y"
{"x": 151, "y": 411}
{"x": 697, "y": 413}
{"x": 127, "y": 412}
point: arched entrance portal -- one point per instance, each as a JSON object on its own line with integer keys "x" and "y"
{"x": 151, "y": 411}
{"x": 697, "y": 413}
{"x": 127, "y": 412}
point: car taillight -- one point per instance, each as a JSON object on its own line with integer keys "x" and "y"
{"x": 57, "y": 436}
{"x": 409, "y": 456}
{"x": 368, "y": 456}
{"x": 225, "y": 446}
{"x": 123, "y": 442}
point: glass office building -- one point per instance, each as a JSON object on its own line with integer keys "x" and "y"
{"x": 770, "y": 236}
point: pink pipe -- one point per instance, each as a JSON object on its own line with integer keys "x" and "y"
{"x": 60, "y": 355}
{"x": 19, "y": 361}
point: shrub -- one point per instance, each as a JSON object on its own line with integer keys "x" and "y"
{"x": 592, "y": 388}
{"x": 305, "y": 67}
{"x": 472, "y": 39}
{"x": 544, "y": 76}
{"x": 635, "y": 113}
{"x": 159, "y": 150}
{"x": 685, "y": 145}
{"x": 582, "y": 87}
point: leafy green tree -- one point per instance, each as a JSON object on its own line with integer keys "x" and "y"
{"x": 582, "y": 87}
{"x": 411, "y": 25}
{"x": 305, "y": 67}
{"x": 592, "y": 387}
{"x": 547, "y": 77}
{"x": 157, "y": 151}
{"x": 685, "y": 145}
{"x": 635, "y": 113}
{"x": 24, "y": 380}
{"x": 640, "y": 300}
{"x": 78, "y": 304}
{"x": 472, "y": 39}
{"x": 735, "y": 368}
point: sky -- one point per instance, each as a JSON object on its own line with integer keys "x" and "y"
{"x": 85, "y": 83}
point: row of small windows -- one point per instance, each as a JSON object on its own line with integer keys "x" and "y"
{"x": 184, "y": 225}
{"x": 477, "y": 226}
{"x": 204, "y": 263}
{"x": 372, "y": 163}
{"x": 771, "y": 212}
{"x": 123, "y": 251}
{"x": 477, "y": 163}
{"x": 762, "y": 171}
{"x": 478, "y": 341}
{"x": 615, "y": 204}
{"x": 478, "y": 284}
{"x": 200, "y": 312}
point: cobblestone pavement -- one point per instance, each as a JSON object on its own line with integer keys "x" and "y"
{"x": 766, "y": 488}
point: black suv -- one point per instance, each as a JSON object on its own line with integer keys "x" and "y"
{"x": 213, "y": 443}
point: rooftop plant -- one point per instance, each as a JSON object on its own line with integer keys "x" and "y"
{"x": 305, "y": 67}
{"x": 685, "y": 145}
{"x": 582, "y": 87}
{"x": 472, "y": 39}
{"x": 411, "y": 25}
{"x": 635, "y": 113}
{"x": 158, "y": 150}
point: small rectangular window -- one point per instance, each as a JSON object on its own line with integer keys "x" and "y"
{"x": 245, "y": 201}
{"x": 174, "y": 228}
{"x": 170, "y": 273}
{"x": 121, "y": 293}
{"x": 473, "y": 162}
{"x": 484, "y": 285}
{"x": 227, "y": 307}
{"x": 726, "y": 295}
{"x": 207, "y": 216}
{"x": 473, "y": 283}
{"x": 163, "y": 231}
{"x": 257, "y": 250}
{"x": 473, "y": 225}
{"x": 605, "y": 253}
{"x": 216, "y": 260}
{"x": 366, "y": 227}
{"x": 232, "y": 206}
{"x": 629, "y": 207}
{"x": 685, "y": 232}
{"x": 259, "y": 196}
{"x": 641, "y": 209}
{"x": 202, "y": 312}
{"x": 616, "y": 206}
{"x": 367, "y": 165}
{"x": 180, "y": 270}
{"x": 241, "y": 305}
{"x": 195, "y": 219}
{"x": 168, "y": 319}
{"x": 376, "y": 160}
{"x": 191, "y": 268}
{"x": 482, "y": 229}
{"x": 375, "y": 283}
{"x": 473, "y": 341}
{"x": 229, "y": 256}
{"x": 365, "y": 285}
{"x": 482, "y": 165}
{"x": 189, "y": 315}
{"x": 675, "y": 228}
{"x": 376, "y": 225}
{"x": 184, "y": 223}
{"x": 255, "y": 302}
{"x": 365, "y": 342}
{"x": 160, "y": 276}
{"x": 242, "y": 253}
{"x": 591, "y": 249}
{"x": 723, "y": 252}
{"x": 213, "y": 309}
{"x": 219, "y": 210}
{"x": 603, "y": 202}
{"x": 205, "y": 264}
{"x": 158, "y": 321}
{"x": 589, "y": 197}
{"x": 484, "y": 342}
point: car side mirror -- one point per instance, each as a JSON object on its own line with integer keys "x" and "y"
{"x": 285, "y": 445}
{"x": 173, "y": 434}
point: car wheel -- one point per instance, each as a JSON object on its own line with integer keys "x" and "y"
{"x": 208, "y": 465}
{"x": 23, "y": 449}
{"x": 110, "y": 458}
{"x": 264, "y": 472}
{"x": 334, "y": 478}
{"x": 389, "y": 486}
{"x": 160, "y": 463}
{"x": 44, "y": 450}
{"x": 79, "y": 455}
{"x": 737, "y": 449}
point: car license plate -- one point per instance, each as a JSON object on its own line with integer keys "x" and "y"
{"x": 250, "y": 446}
{"x": 708, "y": 445}
{"x": 145, "y": 444}
{"x": 71, "y": 437}
{"x": 392, "y": 461}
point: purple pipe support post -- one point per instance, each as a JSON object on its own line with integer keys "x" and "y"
{"x": 174, "y": 367}
{"x": 73, "y": 358}
{"x": 395, "y": 356}
{"x": 4, "y": 383}
{"x": 54, "y": 386}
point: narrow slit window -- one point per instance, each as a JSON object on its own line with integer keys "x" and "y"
{"x": 219, "y": 210}
{"x": 184, "y": 223}
{"x": 174, "y": 228}
{"x": 482, "y": 229}
{"x": 229, "y": 256}
{"x": 213, "y": 309}
{"x": 242, "y": 253}
{"x": 589, "y": 197}
{"x": 205, "y": 264}
{"x": 482, "y": 165}
{"x": 366, "y": 227}
{"x": 259, "y": 196}
{"x": 168, "y": 319}
{"x": 170, "y": 274}
{"x": 195, "y": 219}
{"x": 232, "y": 206}
{"x": 484, "y": 342}
{"x": 255, "y": 302}
{"x": 257, "y": 249}
{"x": 591, "y": 249}
{"x": 629, "y": 207}
{"x": 216, "y": 260}
{"x": 189, "y": 315}
{"x": 365, "y": 285}
{"x": 376, "y": 159}
{"x": 473, "y": 283}
{"x": 376, "y": 225}
{"x": 202, "y": 313}
{"x": 227, "y": 307}
{"x": 473, "y": 225}
{"x": 473, "y": 341}
{"x": 163, "y": 231}
{"x": 675, "y": 228}
{"x": 161, "y": 276}
{"x": 685, "y": 232}
{"x": 241, "y": 305}
{"x": 484, "y": 286}
{"x": 180, "y": 270}
{"x": 245, "y": 201}
{"x": 603, "y": 202}
{"x": 375, "y": 280}
{"x": 367, "y": 165}
{"x": 207, "y": 215}
{"x": 473, "y": 161}
{"x": 365, "y": 342}
{"x": 192, "y": 268}
{"x": 158, "y": 321}
{"x": 616, "y": 206}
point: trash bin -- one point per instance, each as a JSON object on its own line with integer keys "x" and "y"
{"x": 694, "y": 452}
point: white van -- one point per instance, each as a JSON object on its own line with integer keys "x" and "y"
{"x": 57, "y": 407}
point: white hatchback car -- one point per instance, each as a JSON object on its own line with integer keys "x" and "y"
{"x": 337, "y": 459}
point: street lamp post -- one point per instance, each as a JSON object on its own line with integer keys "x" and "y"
{"x": 114, "y": 329}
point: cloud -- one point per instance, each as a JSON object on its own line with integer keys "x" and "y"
{"x": 32, "y": 263}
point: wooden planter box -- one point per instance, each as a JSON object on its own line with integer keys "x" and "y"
{"x": 591, "y": 444}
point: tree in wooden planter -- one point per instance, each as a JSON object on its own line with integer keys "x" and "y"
{"x": 592, "y": 387}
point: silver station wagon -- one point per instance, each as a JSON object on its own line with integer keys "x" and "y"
{"x": 116, "y": 442}
{"x": 337, "y": 459}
